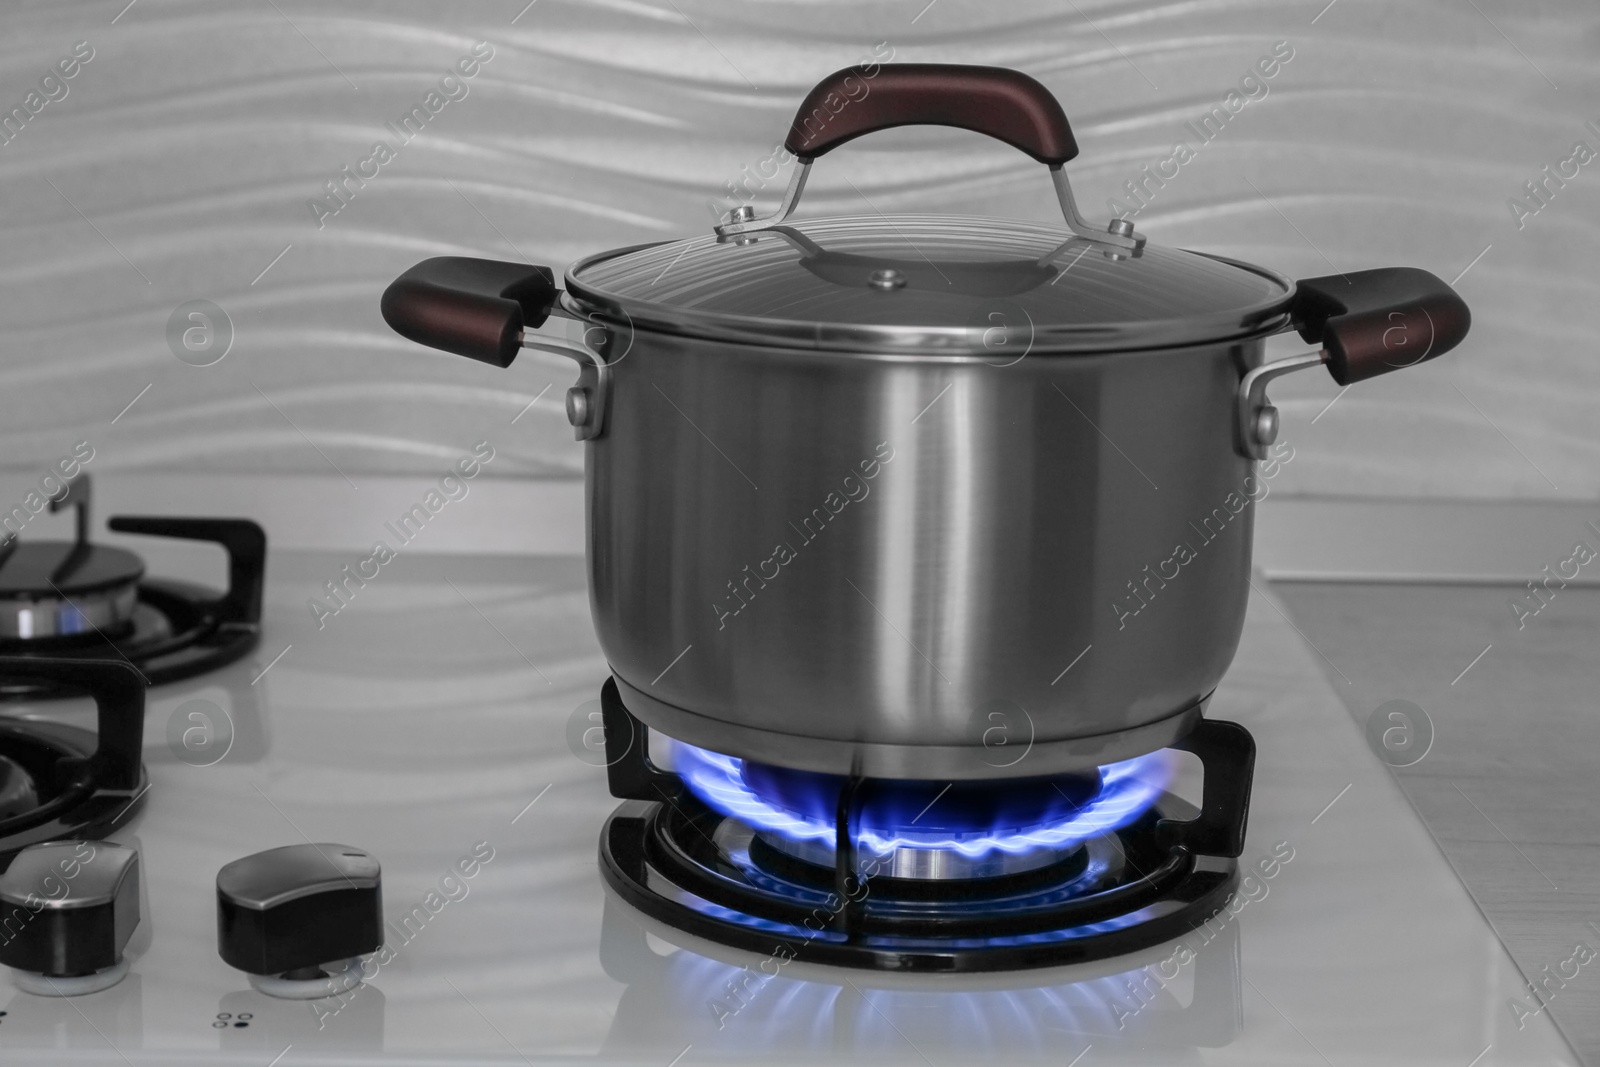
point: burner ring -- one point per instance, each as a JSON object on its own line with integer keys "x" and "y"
{"x": 49, "y": 617}
{"x": 733, "y": 836}
{"x": 930, "y": 864}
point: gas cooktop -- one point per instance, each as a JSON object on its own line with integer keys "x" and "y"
{"x": 442, "y": 724}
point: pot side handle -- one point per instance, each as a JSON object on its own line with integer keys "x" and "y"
{"x": 476, "y": 308}
{"x": 1368, "y": 323}
{"x": 1372, "y": 322}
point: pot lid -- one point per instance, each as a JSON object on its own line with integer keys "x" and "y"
{"x": 929, "y": 284}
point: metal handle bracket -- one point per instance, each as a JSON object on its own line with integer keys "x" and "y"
{"x": 742, "y": 218}
{"x": 1257, "y": 419}
{"x": 588, "y": 400}
{"x": 1118, "y": 234}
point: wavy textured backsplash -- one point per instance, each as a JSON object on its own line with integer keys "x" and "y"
{"x": 179, "y": 164}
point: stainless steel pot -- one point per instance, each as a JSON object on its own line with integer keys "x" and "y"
{"x": 923, "y": 497}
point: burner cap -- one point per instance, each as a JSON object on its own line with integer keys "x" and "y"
{"x": 60, "y": 588}
{"x": 907, "y": 863}
{"x": 43, "y": 569}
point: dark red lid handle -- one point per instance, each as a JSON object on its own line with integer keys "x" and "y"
{"x": 1371, "y": 322}
{"x": 473, "y": 307}
{"x": 1005, "y": 104}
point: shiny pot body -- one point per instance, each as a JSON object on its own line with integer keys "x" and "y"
{"x": 835, "y": 525}
{"x": 920, "y": 567}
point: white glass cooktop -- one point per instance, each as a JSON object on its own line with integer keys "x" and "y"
{"x": 429, "y": 721}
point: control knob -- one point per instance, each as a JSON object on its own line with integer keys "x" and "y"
{"x": 297, "y": 919}
{"x": 69, "y": 908}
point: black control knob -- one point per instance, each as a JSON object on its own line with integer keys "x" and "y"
{"x": 296, "y": 918}
{"x": 69, "y": 907}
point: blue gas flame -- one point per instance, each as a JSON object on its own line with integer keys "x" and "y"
{"x": 1128, "y": 789}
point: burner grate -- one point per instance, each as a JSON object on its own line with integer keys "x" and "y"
{"x": 65, "y": 783}
{"x": 175, "y": 629}
{"x": 654, "y": 855}
{"x": 715, "y": 875}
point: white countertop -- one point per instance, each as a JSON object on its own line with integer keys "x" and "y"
{"x": 425, "y": 718}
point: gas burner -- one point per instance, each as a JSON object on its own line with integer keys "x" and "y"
{"x": 76, "y": 600}
{"x": 934, "y": 876}
{"x": 927, "y": 829}
{"x": 59, "y": 782}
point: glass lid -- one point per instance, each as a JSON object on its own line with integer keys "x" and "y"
{"x": 929, "y": 284}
